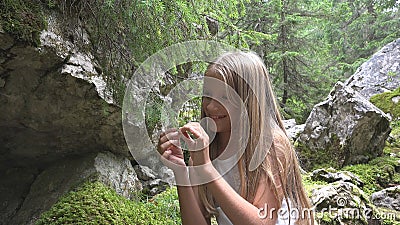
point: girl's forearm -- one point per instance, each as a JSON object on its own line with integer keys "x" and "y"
{"x": 188, "y": 203}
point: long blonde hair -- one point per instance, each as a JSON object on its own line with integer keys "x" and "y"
{"x": 246, "y": 73}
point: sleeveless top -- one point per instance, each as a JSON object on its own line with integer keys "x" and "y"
{"x": 232, "y": 177}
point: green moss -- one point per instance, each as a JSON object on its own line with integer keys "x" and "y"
{"x": 309, "y": 184}
{"x": 311, "y": 159}
{"x": 385, "y": 103}
{"x": 389, "y": 216}
{"x": 22, "y": 19}
{"x": 379, "y": 173}
{"x": 95, "y": 203}
{"x": 324, "y": 218}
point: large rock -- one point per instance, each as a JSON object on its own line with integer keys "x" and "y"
{"x": 344, "y": 129}
{"x": 342, "y": 203}
{"x": 56, "y": 180}
{"x": 388, "y": 198}
{"x": 51, "y": 105}
{"x": 380, "y": 73}
{"x": 55, "y": 118}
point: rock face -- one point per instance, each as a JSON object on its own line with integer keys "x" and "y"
{"x": 346, "y": 128}
{"x": 58, "y": 179}
{"x": 46, "y": 111}
{"x": 388, "y": 198}
{"x": 380, "y": 73}
{"x": 58, "y": 126}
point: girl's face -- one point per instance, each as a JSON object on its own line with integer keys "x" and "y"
{"x": 217, "y": 104}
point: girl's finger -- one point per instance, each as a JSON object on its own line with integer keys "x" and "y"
{"x": 186, "y": 137}
{"x": 170, "y": 144}
{"x": 188, "y": 128}
{"x": 169, "y": 135}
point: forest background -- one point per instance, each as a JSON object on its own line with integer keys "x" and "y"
{"x": 307, "y": 45}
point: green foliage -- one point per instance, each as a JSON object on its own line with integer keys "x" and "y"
{"x": 153, "y": 113}
{"x": 94, "y": 203}
{"x": 379, "y": 173}
{"x": 125, "y": 33}
{"x": 310, "y": 184}
{"x": 23, "y": 19}
{"x": 313, "y": 44}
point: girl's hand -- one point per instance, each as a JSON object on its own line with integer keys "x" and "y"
{"x": 170, "y": 150}
{"x": 197, "y": 144}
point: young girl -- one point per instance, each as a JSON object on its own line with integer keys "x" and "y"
{"x": 245, "y": 170}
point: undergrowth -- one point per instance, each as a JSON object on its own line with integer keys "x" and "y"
{"x": 95, "y": 203}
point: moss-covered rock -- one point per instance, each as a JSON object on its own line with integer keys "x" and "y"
{"x": 95, "y": 203}
{"x": 342, "y": 130}
{"x": 377, "y": 174}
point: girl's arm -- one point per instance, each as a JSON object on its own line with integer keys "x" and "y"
{"x": 192, "y": 211}
{"x": 191, "y": 208}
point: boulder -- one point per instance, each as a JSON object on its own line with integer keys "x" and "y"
{"x": 292, "y": 129}
{"x": 342, "y": 203}
{"x": 59, "y": 125}
{"x": 379, "y": 74}
{"x": 62, "y": 176}
{"x": 344, "y": 129}
{"x": 289, "y": 123}
{"x": 388, "y": 198}
{"x": 48, "y": 114}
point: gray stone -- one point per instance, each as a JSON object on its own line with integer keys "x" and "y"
{"x": 14, "y": 186}
{"x": 153, "y": 187}
{"x": 344, "y": 129}
{"x": 144, "y": 173}
{"x": 388, "y": 198}
{"x": 289, "y": 123}
{"x": 344, "y": 202}
{"x": 330, "y": 177}
{"x": 62, "y": 176}
{"x": 294, "y": 132}
{"x": 45, "y": 107}
{"x": 396, "y": 99}
{"x": 379, "y": 74}
{"x": 58, "y": 125}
